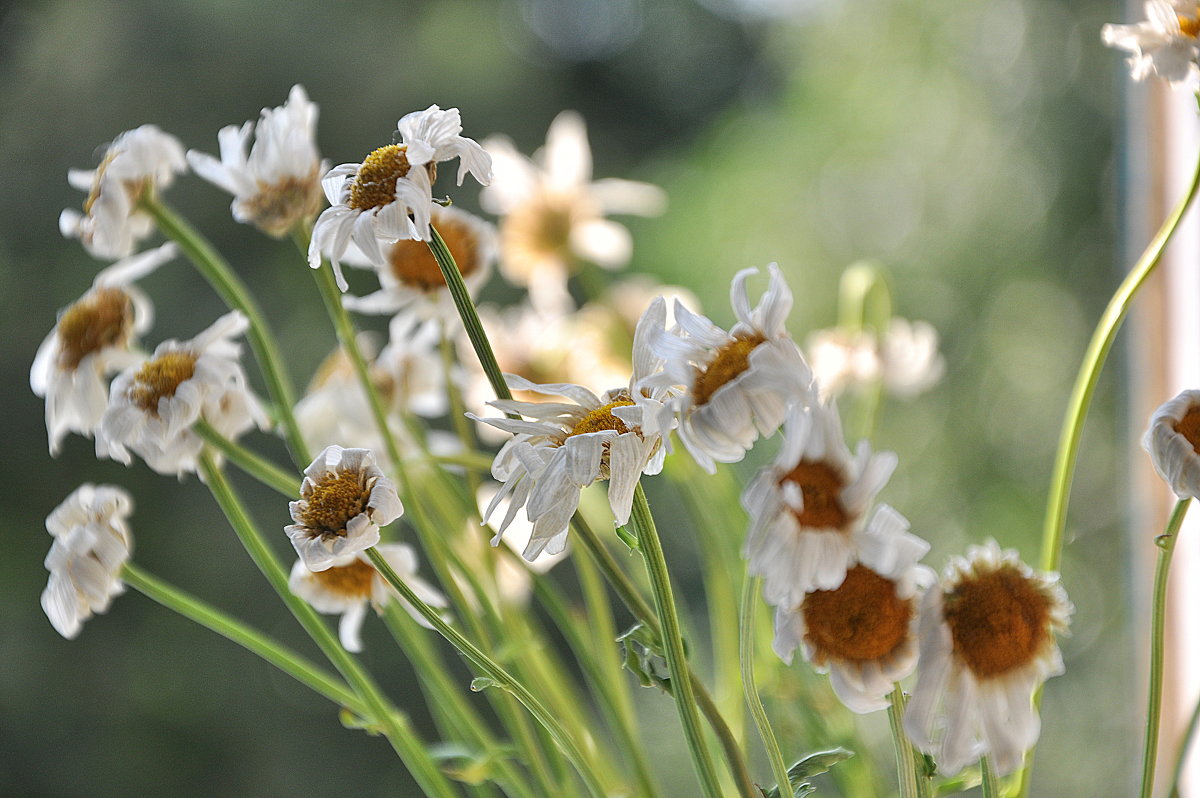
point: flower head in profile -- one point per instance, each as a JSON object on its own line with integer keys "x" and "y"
{"x": 808, "y": 509}
{"x": 1165, "y": 44}
{"x": 864, "y": 631}
{"x": 277, "y": 184}
{"x": 553, "y": 213}
{"x": 1173, "y": 441}
{"x": 92, "y": 340}
{"x": 91, "y": 544}
{"x": 905, "y": 360}
{"x": 737, "y": 384}
{"x": 138, "y": 161}
{"x": 153, "y": 405}
{"x": 560, "y": 448}
{"x": 988, "y": 640}
{"x": 350, "y": 584}
{"x": 389, "y": 195}
{"x": 344, "y": 500}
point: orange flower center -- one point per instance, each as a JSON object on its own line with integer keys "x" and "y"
{"x": 414, "y": 265}
{"x": 99, "y": 320}
{"x": 1189, "y": 427}
{"x": 998, "y": 620}
{"x": 1190, "y": 26}
{"x": 160, "y": 378}
{"x": 602, "y": 418}
{"x": 821, "y": 485}
{"x": 334, "y": 501}
{"x": 352, "y": 581}
{"x": 859, "y": 621}
{"x": 731, "y": 360}
{"x": 375, "y": 184}
{"x": 277, "y": 207}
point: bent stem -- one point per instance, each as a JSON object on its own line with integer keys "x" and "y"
{"x": 750, "y": 687}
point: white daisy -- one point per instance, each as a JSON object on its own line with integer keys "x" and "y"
{"x": 389, "y": 195}
{"x": 141, "y": 160}
{"x": 808, "y": 509}
{"x": 91, "y": 544}
{"x": 92, "y": 340}
{"x": 553, "y": 213}
{"x": 905, "y": 360}
{"x": 740, "y": 383}
{"x": 987, "y": 636}
{"x": 864, "y": 631}
{"x": 344, "y": 500}
{"x": 1165, "y": 44}
{"x": 350, "y": 584}
{"x": 279, "y": 183}
{"x": 1173, "y": 441}
{"x": 152, "y": 406}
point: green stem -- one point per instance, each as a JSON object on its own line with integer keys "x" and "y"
{"x": 912, "y": 784}
{"x": 225, "y": 281}
{"x": 987, "y": 779}
{"x": 253, "y": 464}
{"x": 750, "y": 590}
{"x": 1158, "y": 619}
{"x": 1188, "y": 737}
{"x": 458, "y": 410}
{"x": 672, "y": 642}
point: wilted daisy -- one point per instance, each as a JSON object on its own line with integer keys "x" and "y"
{"x": 389, "y": 195}
{"x": 344, "y": 500}
{"x": 91, "y": 544}
{"x": 552, "y": 213}
{"x": 569, "y": 445}
{"x": 153, "y": 405}
{"x": 1165, "y": 44}
{"x": 92, "y": 340}
{"x": 987, "y": 636}
{"x": 138, "y": 161}
{"x": 808, "y": 509}
{"x": 350, "y": 584}
{"x": 905, "y": 360}
{"x": 864, "y": 631}
{"x": 1173, "y": 441}
{"x": 738, "y": 384}
{"x": 277, "y": 184}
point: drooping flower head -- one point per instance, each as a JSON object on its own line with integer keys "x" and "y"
{"x": 988, "y": 640}
{"x": 278, "y": 184}
{"x": 1165, "y": 44}
{"x": 808, "y": 509}
{"x": 1173, "y": 441}
{"x": 93, "y": 339}
{"x": 389, "y": 195}
{"x": 344, "y": 500}
{"x": 141, "y": 160}
{"x": 91, "y": 544}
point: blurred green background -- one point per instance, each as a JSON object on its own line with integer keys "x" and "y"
{"x": 969, "y": 145}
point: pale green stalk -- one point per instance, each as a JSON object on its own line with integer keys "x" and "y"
{"x": 912, "y": 784}
{"x": 989, "y": 787}
{"x": 1189, "y": 737}
{"x": 251, "y": 463}
{"x": 779, "y": 769}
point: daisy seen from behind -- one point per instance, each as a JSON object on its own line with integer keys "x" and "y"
{"x": 1173, "y": 441}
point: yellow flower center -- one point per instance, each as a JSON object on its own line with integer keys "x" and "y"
{"x": 602, "y": 418}
{"x": 998, "y": 620}
{"x": 277, "y": 207}
{"x": 1189, "y": 427}
{"x": 160, "y": 378}
{"x": 821, "y": 486}
{"x": 352, "y": 581}
{"x": 414, "y": 265}
{"x": 537, "y": 232}
{"x": 731, "y": 360}
{"x": 375, "y": 184}
{"x": 334, "y": 501}
{"x": 101, "y": 319}
{"x": 1190, "y": 26}
{"x": 862, "y": 620}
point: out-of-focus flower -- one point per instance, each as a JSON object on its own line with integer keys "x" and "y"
{"x": 152, "y": 406}
{"x": 279, "y": 183}
{"x": 91, "y": 544}
{"x": 738, "y": 384}
{"x": 1173, "y": 441}
{"x": 92, "y": 340}
{"x": 141, "y": 160}
{"x": 1165, "y": 44}
{"x": 808, "y": 509}
{"x": 344, "y": 500}
{"x": 864, "y": 631}
{"x": 552, "y": 213}
{"x": 987, "y": 636}
{"x": 351, "y": 583}
{"x": 389, "y": 195}
{"x": 905, "y": 361}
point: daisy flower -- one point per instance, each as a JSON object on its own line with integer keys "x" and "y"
{"x": 350, "y": 584}
{"x": 566, "y": 446}
{"x": 152, "y": 406}
{"x": 553, "y": 214}
{"x": 1173, "y": 441}
{"x": 141, "y": 160}
{"x": 808, "y": 509}
{"x": 344, "y": 500}
{"x": 278, "y": 184}
{"x": 740, "y": 383}
{"x": 864, "y": 631}
{"x": 92, "y": 340}
{"x": 987, "y": 638}
{"x": 91, "y": 544}
{"x": 905, "y": 360}
{"x": 389, "y": 195}
{"x": 1165, "y": 44}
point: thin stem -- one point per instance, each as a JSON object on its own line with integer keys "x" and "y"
{"x": 1158, "y": 619}
{"x": 912, "y": 784}
{"x": 750, "y": 590}
{"x": 987, "y": 779}
{"x": 1188, "y": 738}
{"x": 225, "y": 281}
{"x": 253, "y": 464}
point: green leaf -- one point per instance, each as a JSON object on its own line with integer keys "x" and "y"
{"x": 811, "y": 765}
{"x": 642, "y": 655}
{"x": 468, "y": 765}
